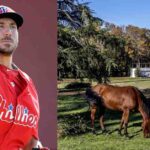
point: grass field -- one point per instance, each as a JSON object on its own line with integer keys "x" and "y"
{"x": 74, "y": 132}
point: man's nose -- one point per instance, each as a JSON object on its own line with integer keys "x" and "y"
{"x": 7, "y": 31}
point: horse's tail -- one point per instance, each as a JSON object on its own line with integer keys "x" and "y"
{"x": 145, "y": 104}
{"x": 92, "y": 97}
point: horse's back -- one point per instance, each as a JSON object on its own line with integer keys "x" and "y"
{"x": 117, "y": 97}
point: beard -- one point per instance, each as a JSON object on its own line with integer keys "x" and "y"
{"x": 7, "y": 49}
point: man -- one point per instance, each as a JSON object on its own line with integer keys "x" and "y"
{"x": 19, "y": 106}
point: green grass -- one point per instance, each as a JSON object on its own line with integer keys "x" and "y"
{"x": 114, "y": 80}
{"x": 71, "y": 105}
{"x": 74, "y": 124}
{"x": 103, "y": 142}
{"x": 141, "y": 83}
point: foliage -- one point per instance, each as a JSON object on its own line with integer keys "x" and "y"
{"x": 68, "y": 13}
{"x": 74, "y": 124}
{"x": 93, "y": 48}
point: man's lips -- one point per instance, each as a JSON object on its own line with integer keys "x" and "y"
{"x": 7, "y": 40}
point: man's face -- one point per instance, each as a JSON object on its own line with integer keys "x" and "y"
{"x": 8, "y": 36}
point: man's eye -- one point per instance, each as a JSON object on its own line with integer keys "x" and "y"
{"x": 1, "y": 26}
{"x": 13, "y": 27}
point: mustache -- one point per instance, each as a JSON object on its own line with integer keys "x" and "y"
{"x": 7, "y": 38}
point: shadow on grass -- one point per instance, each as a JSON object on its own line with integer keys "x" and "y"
{"x": 112, "y": 123}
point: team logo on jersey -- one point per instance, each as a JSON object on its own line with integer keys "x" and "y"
{"x": 3, "y": 10}
{"x": 22, "y": 115}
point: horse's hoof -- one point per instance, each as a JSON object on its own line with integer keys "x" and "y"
{"x": 104, "y": 131}
{"x": 147, "y": 136}
{"x": 119, "y": 132}
{"x": 126, "y": 135}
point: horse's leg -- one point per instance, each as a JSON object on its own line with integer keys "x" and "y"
{"x": 93, "y": 112}
{"x": 101, "y": 119}
{"x": 145, "y": 122}
{"x": 121, "y": 123}
{"x": 126, "y": 119}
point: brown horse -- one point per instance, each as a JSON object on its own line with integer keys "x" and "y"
{"x": 124, "y": 99}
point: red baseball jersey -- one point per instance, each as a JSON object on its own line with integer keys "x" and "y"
{"x": 19, "y": 109}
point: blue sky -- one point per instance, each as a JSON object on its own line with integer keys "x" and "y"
{"x": 122, "y": 12}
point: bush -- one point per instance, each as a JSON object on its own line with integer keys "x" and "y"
{"x": 77, "y": 85}
{"x": 73, "y": 125}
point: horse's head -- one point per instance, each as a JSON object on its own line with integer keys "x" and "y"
{"x": 146, "y": 128}
{"x": 92, "y": 94}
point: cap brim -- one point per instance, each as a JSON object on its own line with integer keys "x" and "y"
{"x": 16, "y": 17}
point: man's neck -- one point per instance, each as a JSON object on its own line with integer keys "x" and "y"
{"x": 6, "y": 60}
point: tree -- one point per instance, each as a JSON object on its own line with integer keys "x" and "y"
{"x": 68, "y": 13}
{"x": 80, "y": 56}
{"x": 90, "y": 47}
